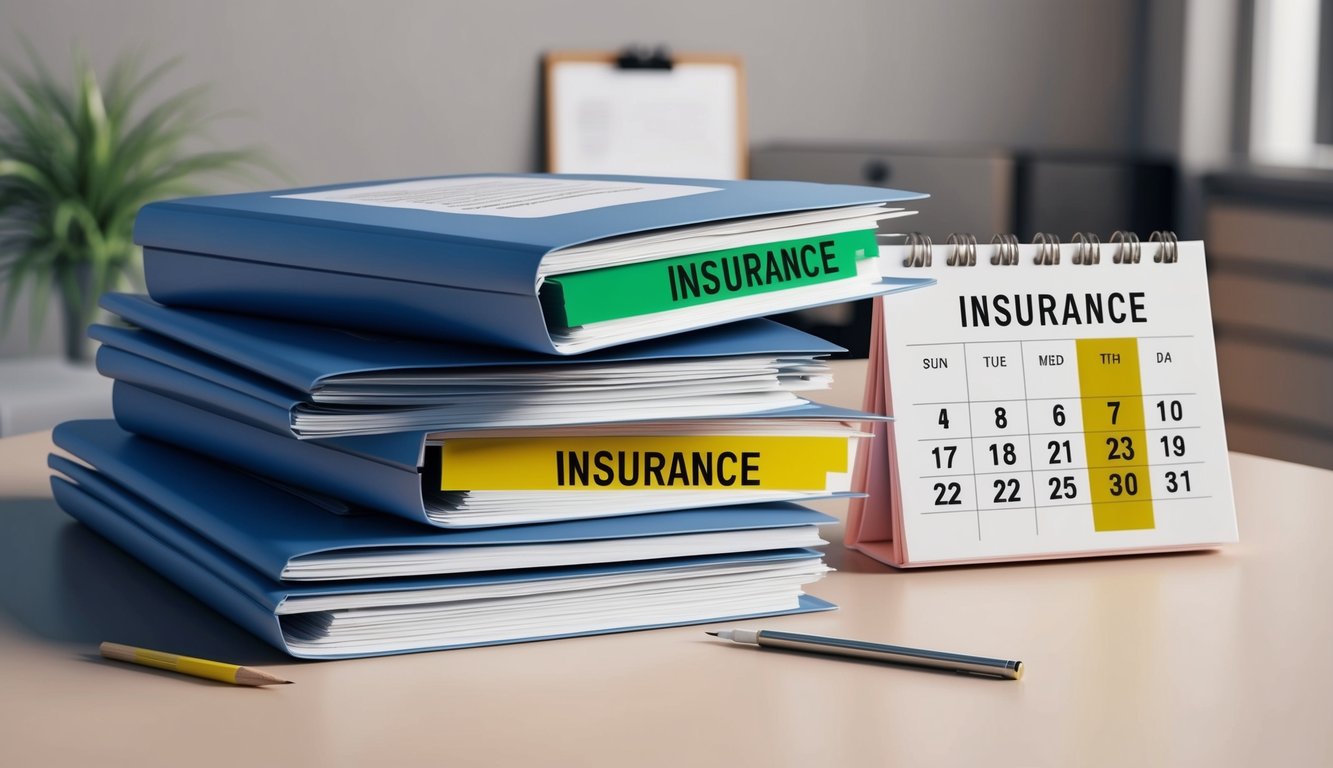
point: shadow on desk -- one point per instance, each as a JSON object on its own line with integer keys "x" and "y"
{"x": 64, "y": 583}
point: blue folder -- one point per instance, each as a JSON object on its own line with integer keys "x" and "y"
{"x": 157, "y": 363}
{"x": 418, "y": 272}
{"x": 381, "y": 472}
{"x": 301, "y": 357}
{"x": 256, "y": 602}
{"x": 262, "y": 371}
{"x": 272, "y": 530}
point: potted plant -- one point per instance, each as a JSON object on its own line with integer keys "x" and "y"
{"x": 77, "y": 161}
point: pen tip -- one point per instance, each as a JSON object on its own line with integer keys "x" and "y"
{"x": 714, "y": 634}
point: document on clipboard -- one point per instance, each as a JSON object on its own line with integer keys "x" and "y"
{"x": 645, "y": 112}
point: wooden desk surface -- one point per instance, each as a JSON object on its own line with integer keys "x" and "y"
{"x": 1199, "y": 659}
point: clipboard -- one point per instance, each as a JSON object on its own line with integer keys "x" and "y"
{"x": 644, "y": 112}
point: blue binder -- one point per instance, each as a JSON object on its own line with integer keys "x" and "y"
{"x": 302, "y": 357}
{"x": 274, "y": 531}
{"x": 381, "y": 472}
{"x": 258, "y": 603}
{"x": 425, "y": 273}
{"x": 153, "y": 362}
{"x": 269, "y": 369}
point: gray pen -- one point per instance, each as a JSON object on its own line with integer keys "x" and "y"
{"x": 857, "y": 649}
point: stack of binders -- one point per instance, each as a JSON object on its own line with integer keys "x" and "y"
{"x": 460, "y": 411}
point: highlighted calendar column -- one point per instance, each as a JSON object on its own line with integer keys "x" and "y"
{"x": 1113, "y": 433}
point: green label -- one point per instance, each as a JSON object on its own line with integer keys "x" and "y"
{"x": 686, "y": 281}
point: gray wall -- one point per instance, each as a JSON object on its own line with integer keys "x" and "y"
{"x": 356, "y": 90}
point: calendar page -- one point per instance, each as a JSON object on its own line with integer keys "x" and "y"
{"x": 1048, "y": 410}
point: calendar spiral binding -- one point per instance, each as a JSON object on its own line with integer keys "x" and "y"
{"x": 963, "y": 250}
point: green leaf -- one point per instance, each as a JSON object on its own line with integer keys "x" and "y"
{"x": 37, "y": 310}
{"x": 77, "y": 161}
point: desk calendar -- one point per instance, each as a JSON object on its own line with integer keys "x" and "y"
{"x": 1048, "y": 401}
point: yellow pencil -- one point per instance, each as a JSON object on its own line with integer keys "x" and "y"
{"x": 212, "y": 670}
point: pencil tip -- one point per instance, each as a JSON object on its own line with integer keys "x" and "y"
{"x": 714, "y": 634}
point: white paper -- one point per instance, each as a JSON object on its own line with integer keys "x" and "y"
{"x": 390, "y": 401}
{"x": 520, "y": 197}
{"x": 322, "y": 421}
{"x": 429, "y": 561}
{"x": 485, "y": 508}
{"x": 714, "y": 236}
{"x": 683, "y": 121}
{"x": 512, "y": 611}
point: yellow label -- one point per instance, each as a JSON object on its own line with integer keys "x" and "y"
{"x": 212, "y": 670}
{"x": 1113, "y": 434}
{"x": 782, "y": 462}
